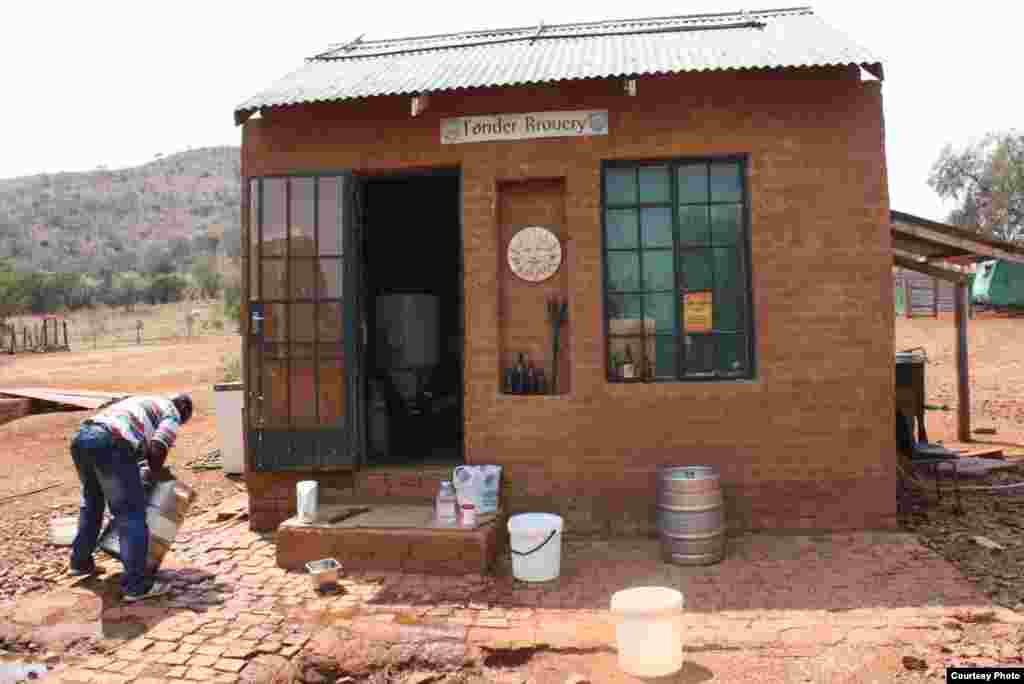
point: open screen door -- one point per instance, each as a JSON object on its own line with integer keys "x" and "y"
{"x": 304, "y": 335}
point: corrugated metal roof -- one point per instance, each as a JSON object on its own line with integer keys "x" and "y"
{"x": 410, "y": 66}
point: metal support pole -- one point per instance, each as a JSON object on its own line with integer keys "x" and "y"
{"x": 962, "y": 373}
{"x": 935, "y": 297}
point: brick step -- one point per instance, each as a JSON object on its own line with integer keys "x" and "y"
{"x": 390, "y": 537}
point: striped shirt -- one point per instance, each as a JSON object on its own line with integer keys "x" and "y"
{"x": 138, "y": 420}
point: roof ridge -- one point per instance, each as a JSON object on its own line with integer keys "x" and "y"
{"x": 369, "y": 45}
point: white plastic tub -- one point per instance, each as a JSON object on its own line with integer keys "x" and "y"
{"x": 63, "y": 530}
{"x": 648, "y": 631}
{"x": 536, "y": 543}
{"x": 228, "y": 398}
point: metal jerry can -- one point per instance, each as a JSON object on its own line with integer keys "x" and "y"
{"x": 166, "y": 507}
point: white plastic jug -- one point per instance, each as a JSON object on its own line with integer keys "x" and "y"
{"x": 536, "y": 543}
{"x": 479, "y": 485}
{"x": 306, "y": 496}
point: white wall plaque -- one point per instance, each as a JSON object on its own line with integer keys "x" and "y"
{"x": 467, "y": 129}
{"x": 534, "y": 254}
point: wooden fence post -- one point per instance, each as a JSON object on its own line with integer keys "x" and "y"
{"x": 66, "y": 344}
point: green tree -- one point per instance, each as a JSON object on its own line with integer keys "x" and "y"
{"x": 207, "y": 277}
{"x": 13, "y": 299}
{"x": 166, "y": 287}
{"x": 129, "y": 288}
{"x": 987, "y": 180}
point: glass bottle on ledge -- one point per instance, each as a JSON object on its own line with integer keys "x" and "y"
{"x": 519, "y": 375}
{"x": 628, "y": 367}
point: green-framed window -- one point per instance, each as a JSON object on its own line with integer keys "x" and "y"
{"x": 676, "y": 270}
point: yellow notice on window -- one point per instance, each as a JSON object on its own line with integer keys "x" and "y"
{"x": 697, "y": 312}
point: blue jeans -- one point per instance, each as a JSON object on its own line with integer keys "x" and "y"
{"x": 109, "y": 474}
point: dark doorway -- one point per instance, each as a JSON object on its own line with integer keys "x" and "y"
{"x": 414, "y": 310}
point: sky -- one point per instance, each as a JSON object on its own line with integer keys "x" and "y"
{"x": 114, "y": 83}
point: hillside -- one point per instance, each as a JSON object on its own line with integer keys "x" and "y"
{"x": 159, "y": 216}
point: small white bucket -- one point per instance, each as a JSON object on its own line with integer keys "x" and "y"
{"x": 63, "y": 530}
{"x": 306, "y": 498}
{"x": 536, "y": 543}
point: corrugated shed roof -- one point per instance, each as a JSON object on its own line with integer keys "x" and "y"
{"x": 538, "y": 54}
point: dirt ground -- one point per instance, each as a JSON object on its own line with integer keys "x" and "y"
{"x": 34, "y": 450}
{"x": 996, "y": 363}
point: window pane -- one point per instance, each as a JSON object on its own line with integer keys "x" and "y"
{"x": 302, "y": 217}
{"x": 726, "y": 184}
{"x": 624, "y": 308}
{"x": 654, "y": 184}
{"x": 254, "y": 414}
{"x": 621, "y": 227}
{"x": 331, "y": 234}
{"x": 666, "y": 353}
{"x": 275, "y": 217}
{"x": 699, "y": 354}
{"x": 620, "y": 186}
{"x": 695, "y": 270}
{"x": 656, "y": 224}
{"x": 254, "y": 236}
{"x": 329, "y": 322}
{"x": 329, "y": 275}
{"x": 658, "y": 272}
{"x": 332, "y": 392}
{"x": 303, "y": 278}
{"x": 275, "y": 393}
{"x": 662, "y": 309}
{"x": 275, "y": 322}
{"x": 693, "y": 183}
{"x": 623, "y": 271}
{"x": 725, "y": 224}
{"x": 693, "y": 225}
{"x": 303, "y": 393}
{"x": 274, "y": 279}
{"x": 301, "y": 351}
{"x": 729, "y": 290}
{"x": 302, "y": 323}
{"x": 731, "y": 354}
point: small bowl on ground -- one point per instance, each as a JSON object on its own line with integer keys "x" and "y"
{"x": 324, "y": 574}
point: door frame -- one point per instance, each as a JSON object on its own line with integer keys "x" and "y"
{"x": 255, "y": 430}
{"x": 354, "y": 305}
{"x": 364, "y": 178}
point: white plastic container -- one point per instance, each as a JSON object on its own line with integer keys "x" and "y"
{"x": 324, "y": 573}
{"x": 536, "y": 543}
{"x": 228, "y": 398}
{"x": 649, "y": 630}
{"x": 479, "y": 484}
{"x": 63, "y": 530}
{"x": 307, "y": 499}
{"x": 445, "y": 511}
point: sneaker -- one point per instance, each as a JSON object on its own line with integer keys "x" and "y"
{"x": 156, "y": 589}
{"x": 88, "y": 572}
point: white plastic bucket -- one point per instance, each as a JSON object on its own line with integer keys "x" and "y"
{"x": 536, "y": 543}
{"x": 228, "y": 398}
{"x": 306, "y": 496}
{"x": 63, "y": 530}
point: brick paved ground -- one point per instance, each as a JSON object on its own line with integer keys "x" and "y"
{"x": 814, "y": 608}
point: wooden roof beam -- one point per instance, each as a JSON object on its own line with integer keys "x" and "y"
{"x": 929, "y": 269}
{"x": 964, "y": 243}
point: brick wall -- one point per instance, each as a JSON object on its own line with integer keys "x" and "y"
{"x": 808, "y": 444}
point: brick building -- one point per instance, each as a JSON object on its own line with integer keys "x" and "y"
{"x": 717, "y": 188}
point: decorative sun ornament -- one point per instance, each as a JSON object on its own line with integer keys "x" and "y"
{"x": 534, "y": 254}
